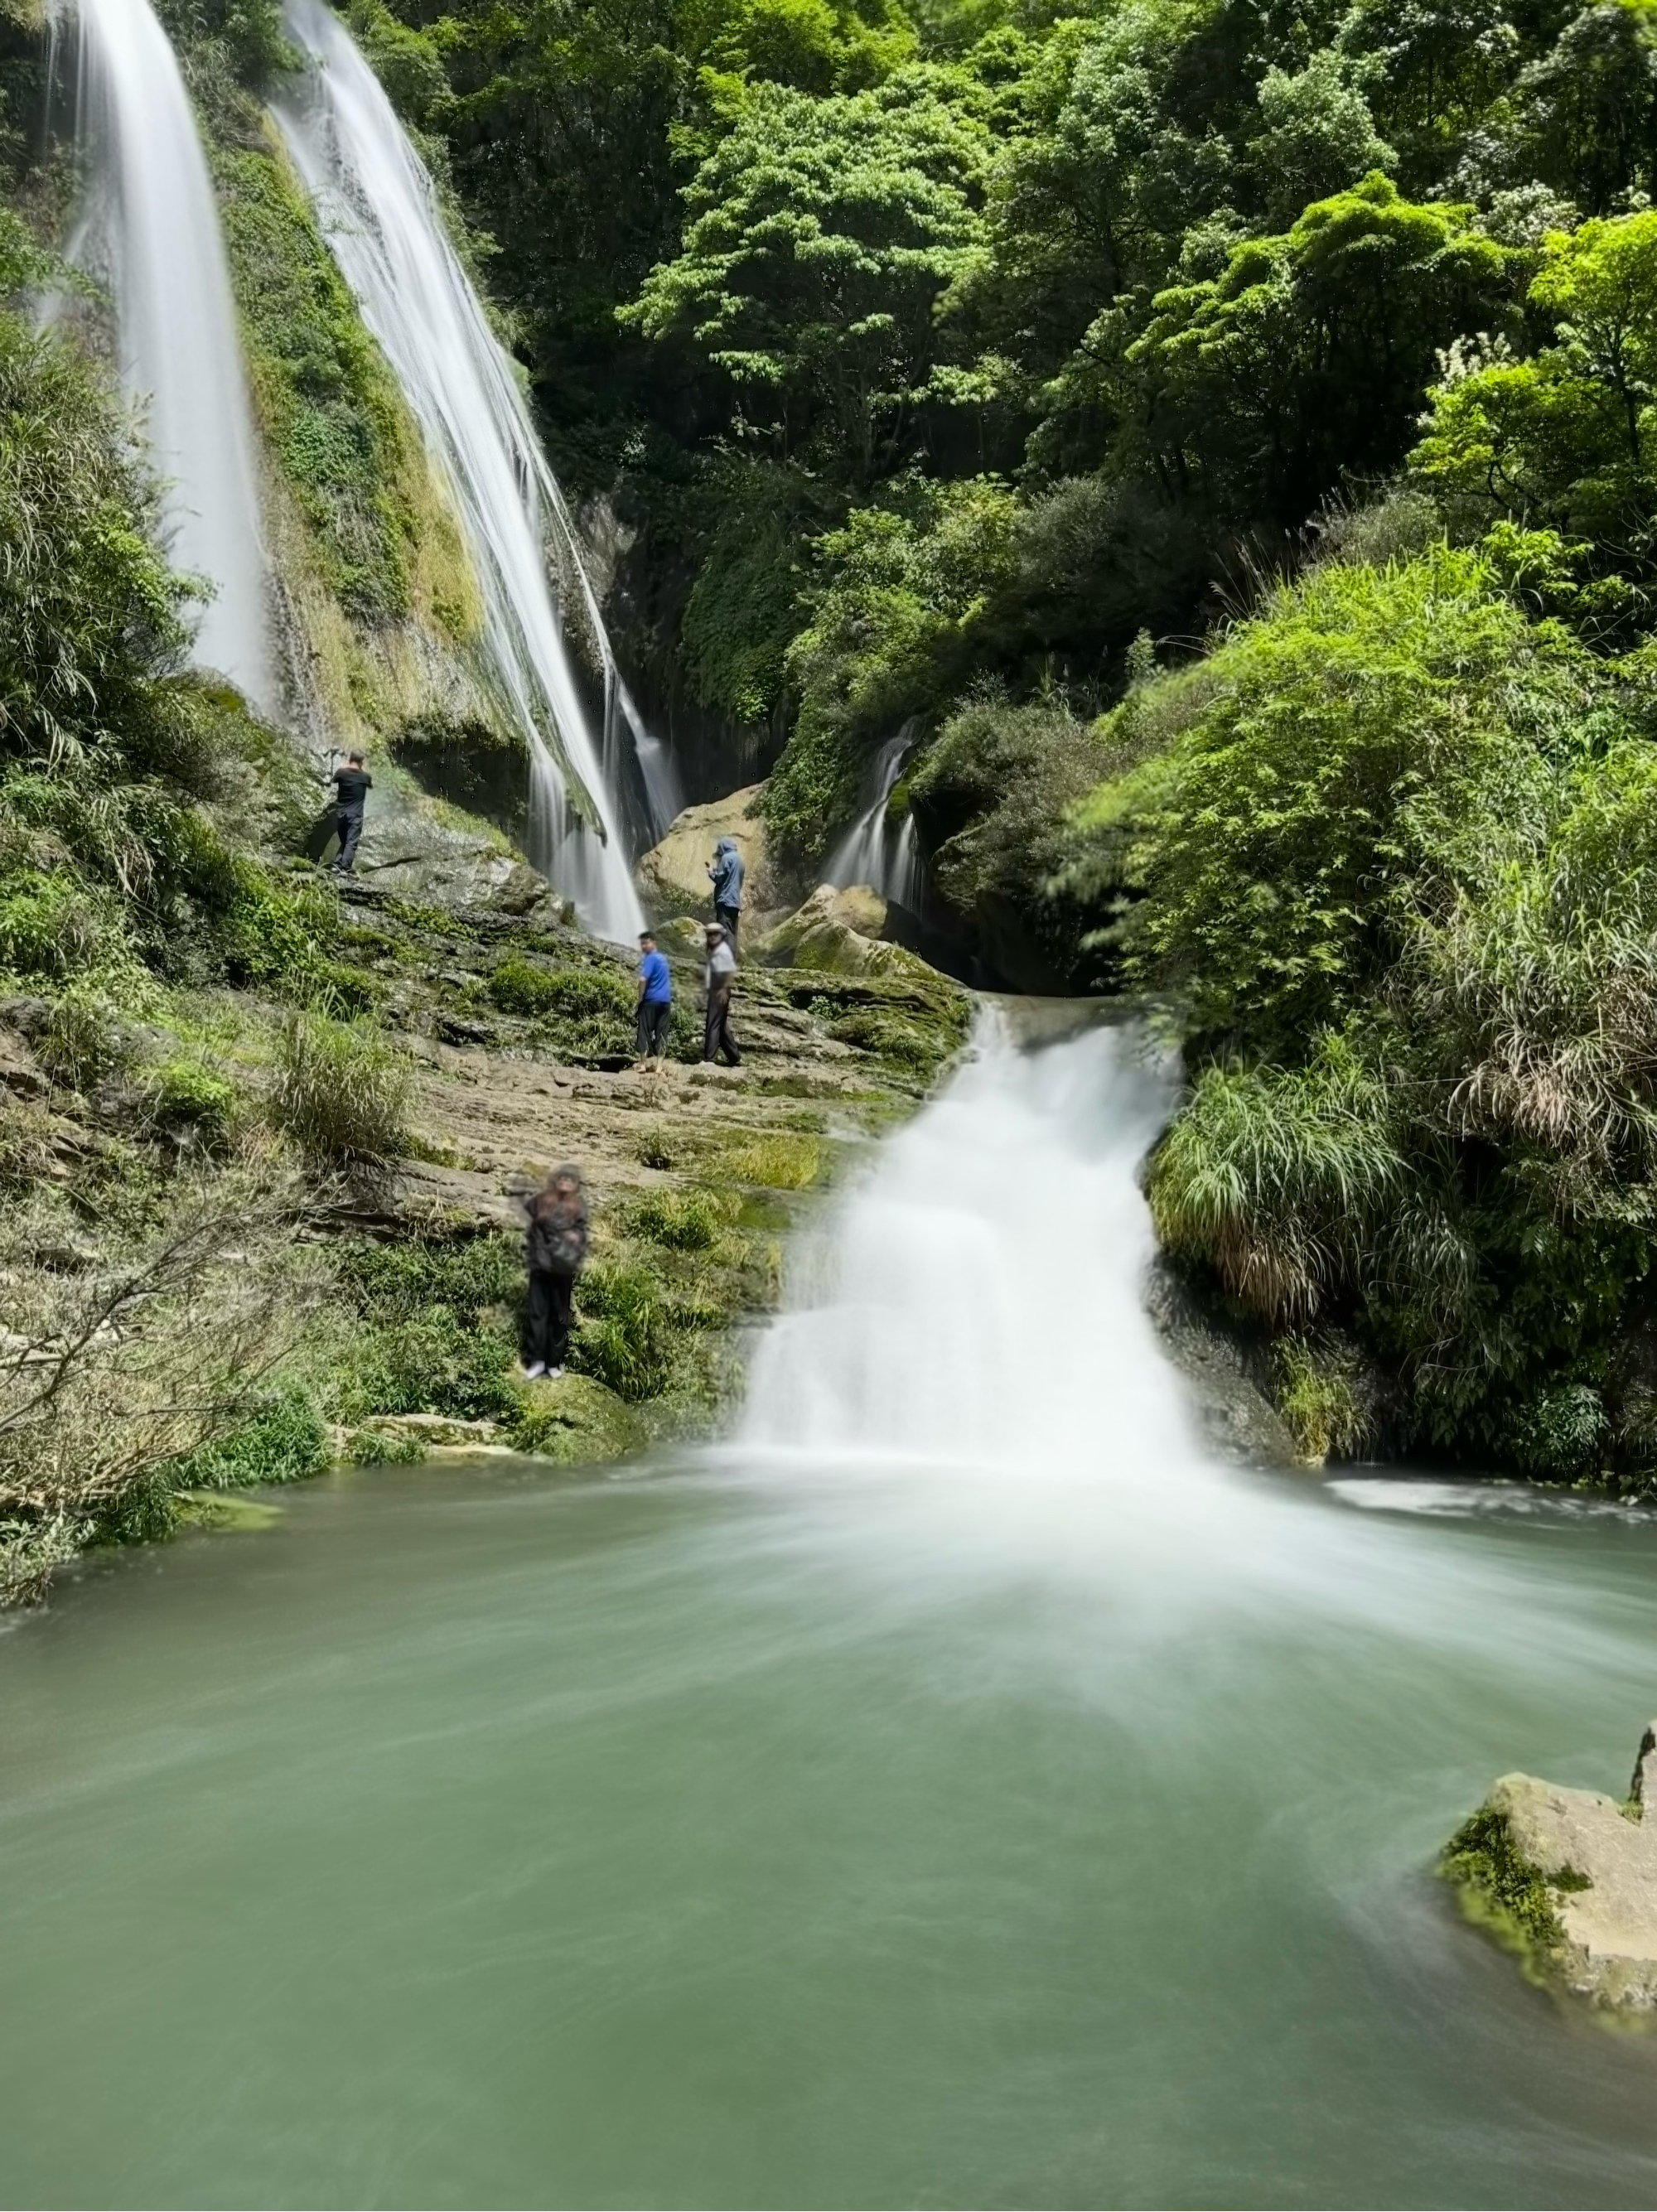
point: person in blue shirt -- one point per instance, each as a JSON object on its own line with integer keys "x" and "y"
{"x": 655, "y": 1002}
{"x": 726, "y": 870}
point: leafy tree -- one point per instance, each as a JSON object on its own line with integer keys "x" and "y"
{"x": 1565, "y": 441}
{"x": 1306, "y": 358}
{"x": 821, "y": 233}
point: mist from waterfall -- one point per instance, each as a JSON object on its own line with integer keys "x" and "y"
{"x": 877, "y": 850}
{"x": 151, "y": 230}
{"x": 376, "y": 204}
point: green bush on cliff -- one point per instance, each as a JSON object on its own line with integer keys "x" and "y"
{"x": 1393, "y": 865}
{"x": 341, "y": 1092}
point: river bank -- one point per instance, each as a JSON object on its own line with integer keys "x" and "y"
{"x": 358, "y": 1212}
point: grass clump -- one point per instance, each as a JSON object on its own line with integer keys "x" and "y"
{"x": 683, "y": 1221}
{"x": 341, "y": 1092}
{"x": 627, "y": 1336}
{"x": 783, "y": 1159}
{"x": 191, "y": 1103}
{"x": 284, "y": 1441}
{"x": 1326, "y": 1394}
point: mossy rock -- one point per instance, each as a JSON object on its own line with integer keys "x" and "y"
{"x": 575, "y": 1421}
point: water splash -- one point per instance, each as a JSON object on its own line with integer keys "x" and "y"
{"x": 877, "y": 850}
{"x": 151, "y": 230}
{"x": 375, "y": 202}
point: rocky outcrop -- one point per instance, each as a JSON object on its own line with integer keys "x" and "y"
{"x": 835, "y": 931}
{"x": 673, "y": 875}
{"x": 1567, "y": 1879}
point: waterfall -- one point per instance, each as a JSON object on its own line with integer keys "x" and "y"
{"x": 875, "y": 850}
{"x": 378, "y": 209}
{"x": 967, "y": 1339}
{"x": 151, "y": 229}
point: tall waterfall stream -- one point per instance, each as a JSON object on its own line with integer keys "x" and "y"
{"x": 378, "y": 209}
{"x": 956, "y": 1790}
{"x": 151, "y": 230}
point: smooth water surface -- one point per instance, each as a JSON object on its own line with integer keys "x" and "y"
{"x": 989, "y": 1802}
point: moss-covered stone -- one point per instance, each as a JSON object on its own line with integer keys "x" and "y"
{"x": 575, "y": 1421}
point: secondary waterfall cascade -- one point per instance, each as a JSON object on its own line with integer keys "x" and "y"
{"x": 875, "y": 850}
{"x": 375, "y": 201}
{"x": 151, "y": 230}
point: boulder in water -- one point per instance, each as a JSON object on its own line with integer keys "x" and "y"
{"x": 673, "y": 875}
{"x": 1567, "y": 1879}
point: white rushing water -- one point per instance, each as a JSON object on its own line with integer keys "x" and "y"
{"x": 875, "y": 850}
{"x": 375, "y": 201}
{"x": 151, "y": 231}
{"x": 968, "y": 1351}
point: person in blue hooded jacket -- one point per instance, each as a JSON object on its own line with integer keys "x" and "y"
{"x": 727, "y": 872}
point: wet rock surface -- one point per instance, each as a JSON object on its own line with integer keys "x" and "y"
{"x": 1567, "y": 1879}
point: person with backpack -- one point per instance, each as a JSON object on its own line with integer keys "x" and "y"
{"x": 557, "y": 1249}
{"x": 655, "y": 1008}
{"x": 352, "y": 785}
{"x": 726, "y": 870}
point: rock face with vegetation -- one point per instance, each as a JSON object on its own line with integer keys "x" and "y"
{"x": 1567, "y": 1879}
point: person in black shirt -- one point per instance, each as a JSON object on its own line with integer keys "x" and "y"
{"x": 353, "y": 783}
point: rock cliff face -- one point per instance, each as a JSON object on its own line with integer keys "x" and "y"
{"x": 1567, "y": 1879}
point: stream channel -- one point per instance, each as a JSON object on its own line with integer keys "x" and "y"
{"x": 953, "y": 1789}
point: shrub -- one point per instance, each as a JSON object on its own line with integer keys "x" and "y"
{"x": 520, "y": 987}
{"x": 1326, "y": 1396}
{"x": 185, "y": 1098}
{"x": 284, "y": 1442}
{"x": 86, "y": 1037}
{"x": 372, "y": 1447}
{"x": 342, "y": 1092}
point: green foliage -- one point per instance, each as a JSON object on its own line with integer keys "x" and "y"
{"x": 436, "y": 1328}
{"x": 904, "y": 587}
{"x": 1308, "y": 353}
{"x": 820, "y": 233}
{"x": 1565, "y": 441}
{"x": 1483, "y": 1859}
{"x": 189, "y": 1100}
{"x": 1326, "y": 1394}
{"x": 284, "y": 1442}
{"x": 683, "y": 1220}
{"x": 1403, "y": 908}
{"x": 520, "y": 986}
{"x": 627, "y": 1335}
{"x": 341, "y": 1092}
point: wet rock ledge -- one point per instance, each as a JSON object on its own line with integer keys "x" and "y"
{"x": 1567, "y": 1879}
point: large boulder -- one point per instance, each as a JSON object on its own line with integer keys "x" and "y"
{"x": 1567, "y": 1879}
{"x": 835, "y": 931}
{"x": 673, "y": 875}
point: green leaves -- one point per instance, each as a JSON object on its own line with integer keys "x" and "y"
{"x": 821, "y": 235}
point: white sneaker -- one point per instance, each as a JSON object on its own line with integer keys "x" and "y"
{"x": 553, "y": 1374}
{"x": 534, "y": 1373}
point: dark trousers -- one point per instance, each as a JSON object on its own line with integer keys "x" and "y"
{"x": 716, "y": 1037}
{"x": 730, "y": 915}
{"x": 348, "y": 823}
{"x": 651, "y": 1027}
{"x": 546, "y": 1322}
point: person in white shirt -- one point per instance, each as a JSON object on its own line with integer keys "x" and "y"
{"x": 717, "y": 976}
